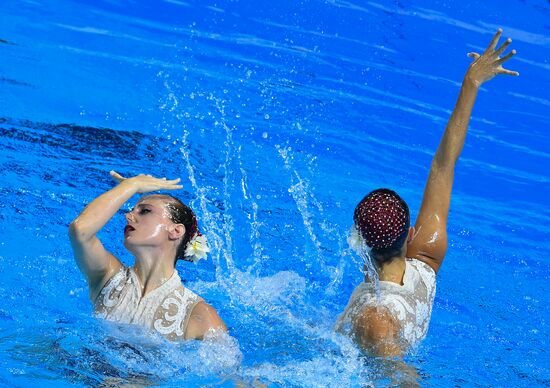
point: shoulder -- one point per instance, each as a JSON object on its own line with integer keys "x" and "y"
{"x": 425, "y": 271}
{"x": 376, "y": 322}
{"x": 203, "y": 319}
{"x": 377, "y": 330}
{"x": 421, "y": 266}
{"x": 430, "y": 241}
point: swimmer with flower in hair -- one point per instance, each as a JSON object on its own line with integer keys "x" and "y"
{"x": 390, "y": 312}
{"x": 160, "y": 230}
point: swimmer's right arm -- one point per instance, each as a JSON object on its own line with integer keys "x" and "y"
{"x": 95, "y": 262}
{"x": 429, "y": 243}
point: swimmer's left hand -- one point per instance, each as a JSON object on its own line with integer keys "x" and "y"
{"x": 489, "y": 64}
{"x": 146, "y": 183}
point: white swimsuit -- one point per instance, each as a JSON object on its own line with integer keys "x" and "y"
{"x": 410, "y": 304}
{"x": 166, "y": 309}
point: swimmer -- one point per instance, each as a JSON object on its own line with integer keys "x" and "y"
{"x": 160, "y": 230}
{"x": 389, "y": 312}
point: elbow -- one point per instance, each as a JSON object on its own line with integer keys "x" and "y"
{"x": 442, "y": 170}
{"x": 77, "y": 231}
{"x": 443, "y": 162}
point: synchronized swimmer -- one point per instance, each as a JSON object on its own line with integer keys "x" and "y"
{"x": 387, "y": 314}
{"x": 160, "y": 230}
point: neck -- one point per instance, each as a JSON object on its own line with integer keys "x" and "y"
{"x": 153, "y": 269}
{"x": 393, "y": 270}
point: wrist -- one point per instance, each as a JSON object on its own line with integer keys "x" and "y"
{"x": 129, "y": 186}
{"x": 471, "y": 82}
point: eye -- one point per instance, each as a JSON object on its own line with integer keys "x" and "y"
{"x": 143, "y": 211}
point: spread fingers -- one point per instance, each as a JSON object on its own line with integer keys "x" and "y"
{"x": 494, "y": 41}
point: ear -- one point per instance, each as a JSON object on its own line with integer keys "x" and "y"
{"x": 176, "y": 231}
{"x": 411, "y": 234}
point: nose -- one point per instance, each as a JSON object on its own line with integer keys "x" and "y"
{"x": 129, "y": 217}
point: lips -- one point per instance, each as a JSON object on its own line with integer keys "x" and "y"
{"x": 128, "y": 228}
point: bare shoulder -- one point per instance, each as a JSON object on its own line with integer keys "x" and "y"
{"x": 429, "y": 243}
{"x": 203, "y": 319}
{"x": 378, "y": 331}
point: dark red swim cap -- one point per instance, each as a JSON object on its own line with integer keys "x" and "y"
{"x": 382, "y": 218}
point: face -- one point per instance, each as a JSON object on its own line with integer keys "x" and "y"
{"x": 148, "y": 224}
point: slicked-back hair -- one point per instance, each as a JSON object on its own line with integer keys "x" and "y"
{"x": 180, "y": 213}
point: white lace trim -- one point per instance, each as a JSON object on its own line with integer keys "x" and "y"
{"x": 181, "y": 301}
{"x": 120, "y": 301}
{"x": 411, "y": 304}
{"x": 114, "y": 282}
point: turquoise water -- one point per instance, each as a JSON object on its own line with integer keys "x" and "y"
{"x": 278, "y": 118}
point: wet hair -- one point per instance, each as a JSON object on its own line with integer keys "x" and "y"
{"x": 383, "y": 220}
{"x": 180, "y": 213}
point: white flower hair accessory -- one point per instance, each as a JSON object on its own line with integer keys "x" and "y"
{"x": 197, "y": 248}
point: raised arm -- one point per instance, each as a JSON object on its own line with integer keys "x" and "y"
{"x": 429, "y": 242}
{"x": 95, "y": 262}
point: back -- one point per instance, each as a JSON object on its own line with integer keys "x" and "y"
{"x": 409, "y": 304}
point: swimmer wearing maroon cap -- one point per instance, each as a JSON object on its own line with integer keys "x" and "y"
{"x": 389, "y": 313}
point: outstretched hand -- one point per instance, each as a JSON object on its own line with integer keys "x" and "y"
{"x": 489, "y": 64}
{"x": 147, "y": 183}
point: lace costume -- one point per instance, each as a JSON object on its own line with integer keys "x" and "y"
{"x": 410, "y": 304}
{"x": 166, "y": 309}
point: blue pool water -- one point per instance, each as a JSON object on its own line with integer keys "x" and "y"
{"x": 278, "y": 117}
